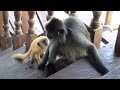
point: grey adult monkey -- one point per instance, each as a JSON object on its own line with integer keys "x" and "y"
{"x": 70, "y": 39}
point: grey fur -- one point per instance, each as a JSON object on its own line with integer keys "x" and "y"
{"x": 75, "y": 43}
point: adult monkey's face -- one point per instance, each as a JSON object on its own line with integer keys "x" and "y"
{"x": 56, "y": 30}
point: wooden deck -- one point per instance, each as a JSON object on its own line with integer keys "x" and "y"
{"x": 13, "y": 69}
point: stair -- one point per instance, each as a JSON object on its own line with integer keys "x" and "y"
{"x": 78, "y": 70}
{"x": 3, "y": 52}
{"x": 13, "y": 69}
{"x": 113, "y": 74}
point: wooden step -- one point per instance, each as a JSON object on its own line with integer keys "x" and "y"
{"x": 7, "y": 64}
{"x": 114, "y": 74}
{"x": 19, "y": 72}
{"x": 36, "y": 74}
{"x": 13, "y": 69}
{"x": 4, "y": 52}
{"x": 78, "y": 70}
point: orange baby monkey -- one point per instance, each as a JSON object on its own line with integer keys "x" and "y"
{"x": 37, "y": 48}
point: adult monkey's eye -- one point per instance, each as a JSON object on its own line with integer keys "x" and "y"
{"x": 61, "y": 31}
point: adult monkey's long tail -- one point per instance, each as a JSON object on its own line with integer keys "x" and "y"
{"x": 94, "y": 58}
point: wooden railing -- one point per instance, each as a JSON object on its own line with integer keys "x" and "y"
{"x": 6, "y": 39}
{"x": 25, "y": 30}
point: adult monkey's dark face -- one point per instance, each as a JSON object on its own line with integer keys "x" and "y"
{"x": 56, "y": 30}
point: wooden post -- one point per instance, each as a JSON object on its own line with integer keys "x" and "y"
{"x": 108, "y": 17}
{"x": 97, "y": 27}
{"x": 117, "y": 44}
{"x": 18, "y": 37}
{"x": 1, "y": 26}
{"x": 6, "y": 39}
{"x": 30, "y": 35}
{"x": 24, "y": 24}
{"x": 50, "y": 15}
{"x": 72, "y": 13}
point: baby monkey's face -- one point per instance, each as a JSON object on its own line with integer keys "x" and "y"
{"x": 43, "y": 43}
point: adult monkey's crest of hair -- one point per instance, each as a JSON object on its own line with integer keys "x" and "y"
{"x": 54, "y": 23}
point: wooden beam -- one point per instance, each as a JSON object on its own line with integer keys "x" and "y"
{"x": 108, "y": 18}
{"x": 117, "y": 44}
{"x": 72, "y": 13}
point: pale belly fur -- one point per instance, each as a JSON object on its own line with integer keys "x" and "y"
{"x": 73, "y": 53}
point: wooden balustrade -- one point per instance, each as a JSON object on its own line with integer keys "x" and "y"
{"x": 28, "y": 29}
{"x": 6, "y": 39}
{"x": 108, "y": 17}
{"x": 117, "y": 44}
{"x": 30, "y": 35}
{"x": 18, "y": 37}
{"x": 24, "y": 24}
{"x": 72, "y": 13}
{"x": 97, "y": 27}
{"x": 50, "y": 15}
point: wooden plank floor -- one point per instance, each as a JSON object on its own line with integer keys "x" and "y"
{"x": 3, "y": 52}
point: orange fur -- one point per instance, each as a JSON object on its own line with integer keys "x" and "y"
{"x": 34, "y": 51}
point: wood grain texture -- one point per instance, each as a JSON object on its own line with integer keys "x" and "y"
{"x": 108, "y": 17}
{"x": 24, "y": 23}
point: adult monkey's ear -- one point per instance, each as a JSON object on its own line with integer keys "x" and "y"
{"x": 61, "y": 36}
{"x": 69, "y": 30}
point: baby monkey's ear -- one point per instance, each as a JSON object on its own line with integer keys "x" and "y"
{"x": 38, "y": 44}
